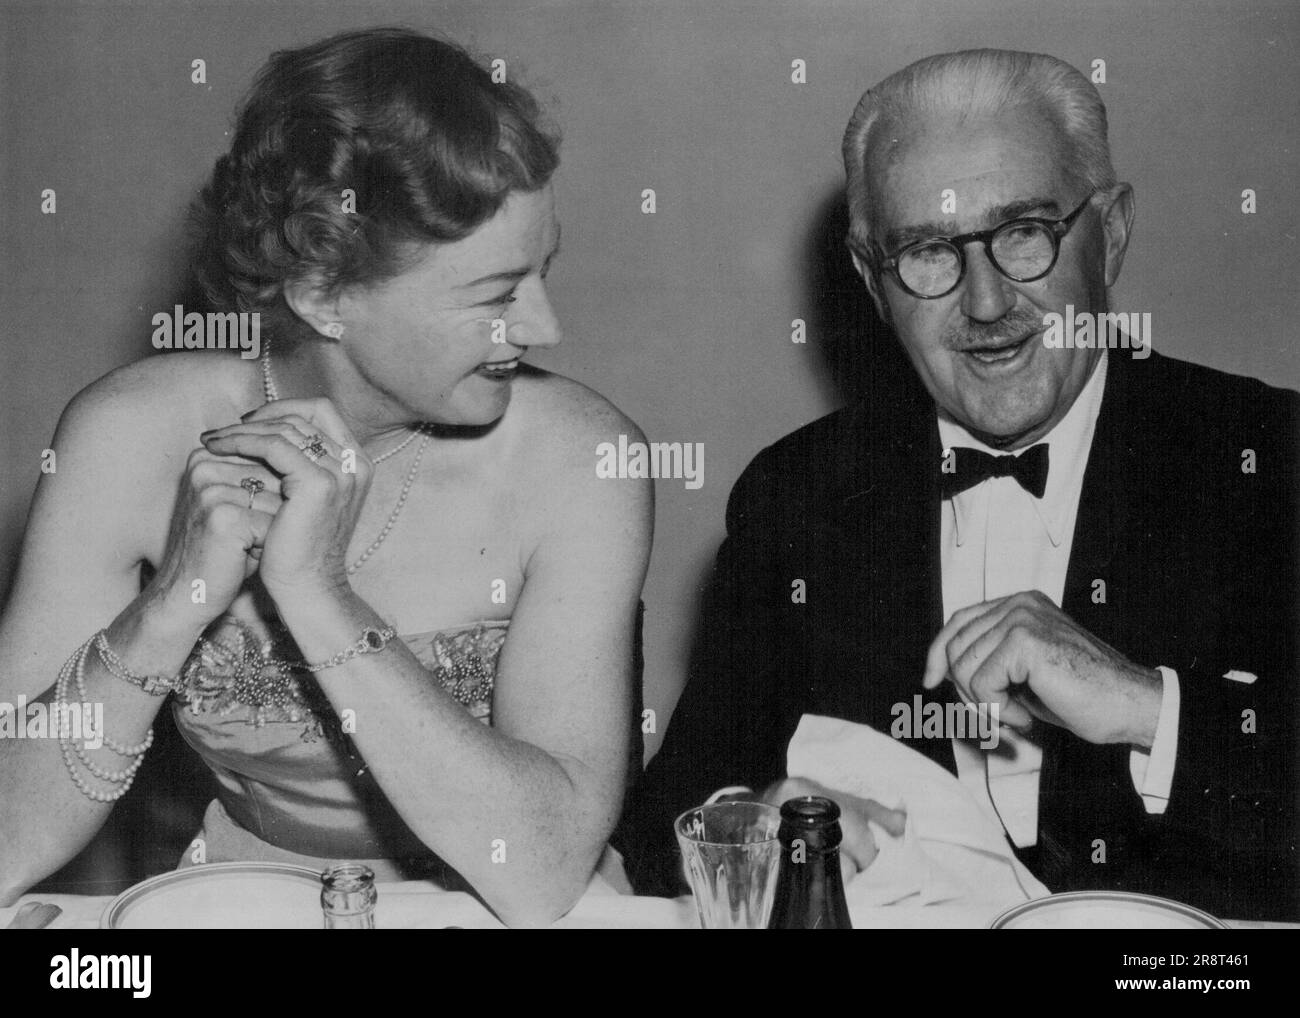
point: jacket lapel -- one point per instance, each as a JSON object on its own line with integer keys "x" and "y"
{"x": 1076, "y": 773}
{"x": 889, "y": 512}
{"x": 1104, "y": 501}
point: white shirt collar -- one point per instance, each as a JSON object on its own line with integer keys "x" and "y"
{"x": 1068, "y": 444}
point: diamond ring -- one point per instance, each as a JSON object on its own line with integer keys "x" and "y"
{"x": 252, "y": 485}
{"x": 313, "y": 448}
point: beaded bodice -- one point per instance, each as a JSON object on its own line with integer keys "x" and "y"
{"x": 235, "y": 674}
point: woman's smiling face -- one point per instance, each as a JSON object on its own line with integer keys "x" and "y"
{"x": 440, "y": 339}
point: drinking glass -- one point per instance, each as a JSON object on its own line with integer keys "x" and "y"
{"x": 731, "y": 855}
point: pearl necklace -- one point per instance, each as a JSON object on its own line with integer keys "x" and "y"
{"x": 271, "y": 393}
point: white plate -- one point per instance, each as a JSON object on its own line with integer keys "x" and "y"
{"x": 1105, "y": 910}
{"x": 221, "y": 896}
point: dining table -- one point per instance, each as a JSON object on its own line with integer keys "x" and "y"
{"x": 422, "y": 905}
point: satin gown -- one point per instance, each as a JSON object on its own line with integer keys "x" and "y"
{"x": 291, "y": 785}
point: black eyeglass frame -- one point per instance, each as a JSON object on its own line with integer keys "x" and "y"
{"x": 1057, "y": 229}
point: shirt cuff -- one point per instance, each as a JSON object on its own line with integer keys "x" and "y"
{"x": 1153, "y": 770}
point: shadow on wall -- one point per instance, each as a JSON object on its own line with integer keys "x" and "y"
{"x": 859, "y": 354}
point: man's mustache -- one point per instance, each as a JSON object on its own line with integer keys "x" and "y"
{"x": 1008, "y": 329}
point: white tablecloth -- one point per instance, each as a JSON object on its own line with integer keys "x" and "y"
{"x": 417, "y": 905}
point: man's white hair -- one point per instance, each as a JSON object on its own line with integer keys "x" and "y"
{"x": 971, "y": 83}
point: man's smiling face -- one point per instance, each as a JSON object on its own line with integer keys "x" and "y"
{"x": 979, "y": 349}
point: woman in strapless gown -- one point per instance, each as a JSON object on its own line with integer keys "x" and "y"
{"x": 365, "y": 559}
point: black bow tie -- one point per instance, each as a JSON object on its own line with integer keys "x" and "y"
{"x": 970, "y": 466}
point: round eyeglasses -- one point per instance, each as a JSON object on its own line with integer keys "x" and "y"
{"x": 1023, "y": 250}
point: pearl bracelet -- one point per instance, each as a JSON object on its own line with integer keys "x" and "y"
{"x": 372, "y": 642}
{"x": 154, "y": 685}
{"x": 74, "y": 670}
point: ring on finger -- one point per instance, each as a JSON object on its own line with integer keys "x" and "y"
{"x": 253, "y": 486}
{"x": 313, "y": 448}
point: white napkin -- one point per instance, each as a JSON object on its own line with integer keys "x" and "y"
{"x": 951, "y": 851}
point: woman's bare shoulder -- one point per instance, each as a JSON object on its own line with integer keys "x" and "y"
{"x": 568, "y": 420}
{"x": 565, "y": 424}
{"x": 134, "y": 427}
{"x": 121, "y": 444}
{"x": 162, "y": 400}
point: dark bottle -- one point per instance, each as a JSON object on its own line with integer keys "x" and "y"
{"x": 809, "y": 884}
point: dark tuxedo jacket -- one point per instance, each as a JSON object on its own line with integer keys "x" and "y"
{"x": 1189, "y": 516}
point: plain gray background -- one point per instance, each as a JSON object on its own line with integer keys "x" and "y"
{"x": 682, "y": 318}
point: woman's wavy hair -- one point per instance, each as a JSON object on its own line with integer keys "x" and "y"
{"x": 428, "y": 144}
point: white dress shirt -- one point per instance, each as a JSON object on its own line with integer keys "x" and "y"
{"x": 997, "y": 539}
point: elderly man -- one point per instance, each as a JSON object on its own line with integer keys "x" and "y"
{"x": 1100, "y": 542}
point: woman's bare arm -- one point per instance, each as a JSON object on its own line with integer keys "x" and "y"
{"x": 88, "y": 531}
{"x": 522, "y": 809}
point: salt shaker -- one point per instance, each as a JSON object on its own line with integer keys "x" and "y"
{"x": 348, "y": 897}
